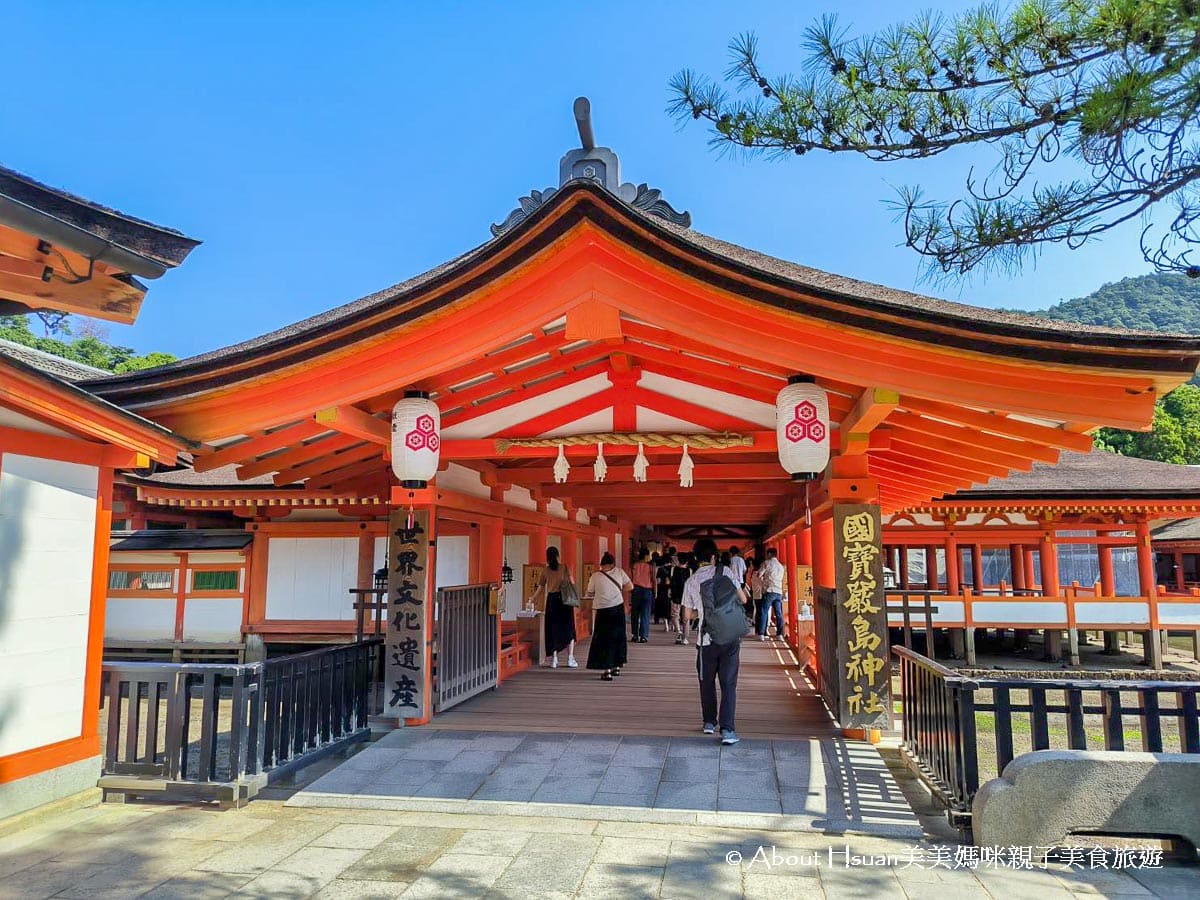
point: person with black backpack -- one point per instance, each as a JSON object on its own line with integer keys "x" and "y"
{"x": 712, "y": 595}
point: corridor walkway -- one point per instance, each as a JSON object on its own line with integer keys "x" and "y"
{"x": 564, "y": 743}
{"x": 656, "y": 694}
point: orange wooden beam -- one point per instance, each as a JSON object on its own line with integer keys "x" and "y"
{"x": 247, "y": 450}
{"x": 296, "y": 456}
{"x": 353, "y": 421}
{"x": 514, "y": 392}
{"x": 327, "y": 463}
{"x": 870, "y": 409}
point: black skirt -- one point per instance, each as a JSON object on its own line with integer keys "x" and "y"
{"x": 609, "y": 648}
{"x": 560, "y": 623}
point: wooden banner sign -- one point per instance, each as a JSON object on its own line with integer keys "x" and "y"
{"x": 862, "y": 635}
{"x": 804, "y": 587}
{"x": 530, "y": 578}
{"x": 408, "y": 639}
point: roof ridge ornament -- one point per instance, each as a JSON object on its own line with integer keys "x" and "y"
{"x": 600, "y": 165}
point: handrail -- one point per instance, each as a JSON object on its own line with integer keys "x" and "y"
{"x": 941, "y": 705}
{"x": 254, "y": 719}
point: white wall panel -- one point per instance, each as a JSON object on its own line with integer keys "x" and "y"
{"x": 464, "y": 480}
{"x": 47, "y": 531}
{"x": 1016, "y": 612}
{"x": 309, "y": 578}
{"x": 762, "y": 414}
{"x": 212, "y": 620}
{"x": 142, "y": 620}
{"x": 453, "y": 561}
{"x": 1178, "y": 613}
{"x": 516, "y": 551}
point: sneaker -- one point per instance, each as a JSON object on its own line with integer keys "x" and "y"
{"x": 762, "y": 637}
{"x": 729, "y": 737}
{"x": 554, "y": 662}
{"x": 571, "y": 663}
{"x": 683, "y": 641}
{"x": 709, "y": 728}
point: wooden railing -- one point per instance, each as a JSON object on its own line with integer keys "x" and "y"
{"x": 960, "y": 731}
{"x": 222, "y": 731}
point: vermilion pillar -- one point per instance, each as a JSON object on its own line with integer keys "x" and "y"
{"x": 1016, "y": 561}
{"x": 977, "y": 568}
{"x": 794, "y": 598}
{"x": 1108, "y": 588}
{"x": 903, "y": 573}
{"x": 931, "y": 568}
{"x": 1151, "y": 640}
{"x": 824, "y": 573}
{"x": 1179, "y": 582}
{"x": 1048, "y": 557}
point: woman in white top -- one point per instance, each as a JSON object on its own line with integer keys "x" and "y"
{"x": 609, "y": 589}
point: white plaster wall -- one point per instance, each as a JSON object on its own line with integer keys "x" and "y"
{"x": 309, "y": 578}
{"x": 520, "y": 497}
{"x": 516, "y": 551}
{"x": 453, "y": 561}
{"x": 762, "y": 414}
{"x": 47, "y": 532}
{"x": 581, "y": 516}
{"x": 212, "y": 620}
{"x": 1178, "y": 613}
{"x": 984, "y": 613}
{"x": 464, "y": 480}
{"x": 555, "y": 508}
{"x": 130, "y": 619}
{"x": 1114, "y": 613}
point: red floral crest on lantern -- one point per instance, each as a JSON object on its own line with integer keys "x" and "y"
{"x": 423, "y": 436}
{"x": 805, "y": 425}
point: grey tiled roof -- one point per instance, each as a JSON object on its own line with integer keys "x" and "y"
{"x": 1095, "y": 474}
{"x": 66, "y": 369}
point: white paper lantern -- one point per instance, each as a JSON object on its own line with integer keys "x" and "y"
{"x": 416, "y": 439}
{"x": 802, "y": 428}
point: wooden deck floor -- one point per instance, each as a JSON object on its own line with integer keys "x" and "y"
{"x": 656, "y": 694}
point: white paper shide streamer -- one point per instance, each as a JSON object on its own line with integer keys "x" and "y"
{"x": 600, "y": 467}
{"x": 562, "y": 468}
{"x": 685, "y": 469}
{"x": 641, "y": 465}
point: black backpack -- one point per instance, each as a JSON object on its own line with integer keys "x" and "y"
{"x": 724, "y": 618}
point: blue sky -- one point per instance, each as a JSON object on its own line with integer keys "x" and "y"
{"x": 323, "y": 151}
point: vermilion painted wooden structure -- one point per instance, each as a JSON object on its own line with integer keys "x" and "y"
{"x": 59, "y": 448}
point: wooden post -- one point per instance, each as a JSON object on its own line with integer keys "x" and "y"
{"x": 491, "y": 561}
{"x": 954, "y": 588}
{"x": 794, "y": 598}
{"x": 977, "y": 568}
{"x": 1048, "y": 556}
{"x": 968, "y": 628}
{"x": 1179, "y": 582}
{"x": 1108, "y": 588}
{"x": 1148, "y": 587}
{"x": 1016, "y": 562}
{"x": 903, "y": 573}
{"x": 931, "y": 568}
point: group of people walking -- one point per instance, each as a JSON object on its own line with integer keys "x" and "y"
{"x": 681, "y": 591}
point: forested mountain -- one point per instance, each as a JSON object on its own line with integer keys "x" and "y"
{"x": 1160, "y": 302}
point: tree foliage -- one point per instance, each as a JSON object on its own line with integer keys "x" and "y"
{"x": 1113, "y": 85}
{"x": 1175, "y": 436}
{"x": 1164, "y": 301}
{"x": 88, "y": 349}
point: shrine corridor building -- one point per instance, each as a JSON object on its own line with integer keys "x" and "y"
{"x": 595, "y": 322}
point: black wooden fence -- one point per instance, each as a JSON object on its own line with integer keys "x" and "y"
{"x": 959, "y": 730}
{"x": 221, "y": 731}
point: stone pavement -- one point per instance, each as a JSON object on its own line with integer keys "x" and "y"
{"x": 826, "y": 785}
{"x": 271, "y": 850}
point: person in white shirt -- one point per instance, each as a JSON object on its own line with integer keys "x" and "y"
{"x": 737, "y": 562}
{"x": 772, "y": 573}
{"x": 713, "y": 661}
{"x": 609, "y": 589}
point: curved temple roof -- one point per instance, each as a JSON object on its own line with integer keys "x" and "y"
{"x": 763, "y": 279}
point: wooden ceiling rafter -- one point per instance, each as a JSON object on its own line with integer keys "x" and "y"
{"x": 254, "y": 447}
{"x": 519, "y": 393}
{"x": 355, "y": 453}
{"x": 329, "y": 442}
